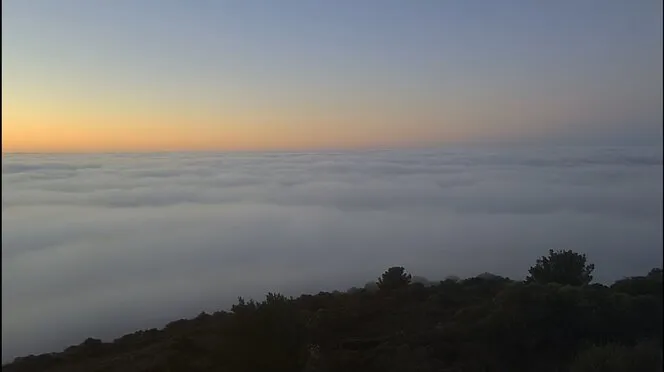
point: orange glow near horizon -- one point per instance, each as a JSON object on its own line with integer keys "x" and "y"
{"x": 117, "y": 134}
{"x": 115, "y": 126}
{"x": 57, "y": 118}
{"x": 122, "y": 130}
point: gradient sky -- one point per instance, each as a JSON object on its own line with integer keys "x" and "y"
{"x": 81, "y": 75}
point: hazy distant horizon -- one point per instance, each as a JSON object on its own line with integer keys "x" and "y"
{"x": 102, "y": 245}
{"x": 546, "y": 142}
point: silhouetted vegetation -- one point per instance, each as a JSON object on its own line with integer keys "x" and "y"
{"x": 393, "y": 278}
{"x": 554, "y": 321}
{"x": 563, "y": 267}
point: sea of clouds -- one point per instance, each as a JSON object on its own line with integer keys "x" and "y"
{"x": 102, "y": 245}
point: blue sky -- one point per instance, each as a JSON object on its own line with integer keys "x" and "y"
{"x": 325, "y": 73}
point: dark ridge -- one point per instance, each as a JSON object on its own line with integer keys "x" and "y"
{"x": 554, "y": 321}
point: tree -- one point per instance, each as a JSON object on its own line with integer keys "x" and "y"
{"x": 655, "y": 273}
{"x": 394, "y": 277}
{"x": 563, "y": 267}
{"x": 641, "y": 285}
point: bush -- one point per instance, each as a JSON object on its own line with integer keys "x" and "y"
{"x": 563, "y": 267}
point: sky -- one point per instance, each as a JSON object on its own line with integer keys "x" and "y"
{"x": 166, "y": 75}
{"x": 102, "y": 245}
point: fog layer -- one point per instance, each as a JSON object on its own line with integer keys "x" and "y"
{"x": 102, "y": 245}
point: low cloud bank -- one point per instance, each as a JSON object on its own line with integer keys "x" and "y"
{"x": 102, "y": 245}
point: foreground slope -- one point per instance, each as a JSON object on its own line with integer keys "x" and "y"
{"x": 487, "y": 323}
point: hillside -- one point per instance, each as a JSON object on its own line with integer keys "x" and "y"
{"x": 554, "y": 321}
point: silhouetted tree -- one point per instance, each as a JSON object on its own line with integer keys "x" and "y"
{"x": 563, "y": 267}
{"x": 641, "y": 285}
{"x": 394, "y": 277}
{"x": 655, "y": 273}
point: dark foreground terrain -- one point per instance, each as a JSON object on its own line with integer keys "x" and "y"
{"x": 554, "y": 321}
